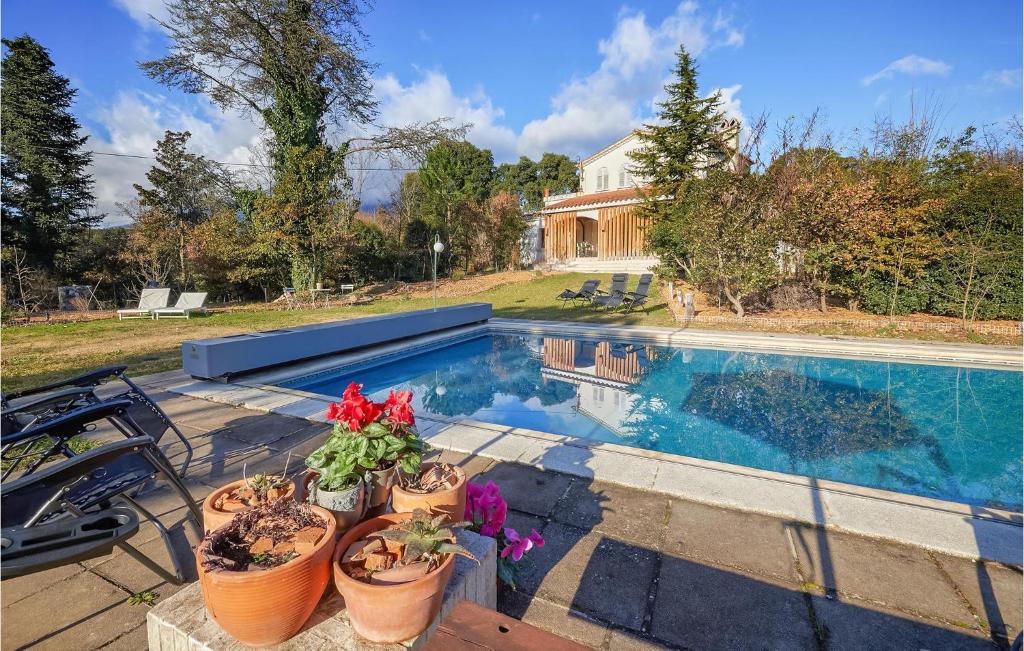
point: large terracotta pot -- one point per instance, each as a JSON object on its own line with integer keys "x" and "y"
{"x": 378, "y": 489}
{"x": 267, "y": 607}
{"x": 214, "y": 518}
{"x": 451, "y": 502}
{"x": 348, "y": 506}
{"x": 389, "y": 613}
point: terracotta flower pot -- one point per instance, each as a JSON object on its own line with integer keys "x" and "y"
{"x": 451, "y": 502}
{"x": 378, "y": 489}
{"x": 389, "y": 613}
{"x": 348, "y": 506}
{"x": 266, "y": 607}
{"x": 214, "y": 518}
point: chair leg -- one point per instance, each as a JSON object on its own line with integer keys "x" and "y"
{"x": 178, "y": 578}
{"x": 160, "y": 462}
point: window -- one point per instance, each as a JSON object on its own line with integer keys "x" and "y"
{"x": 602, "y": 179}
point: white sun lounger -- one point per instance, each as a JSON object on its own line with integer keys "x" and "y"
{"x": 188, "y": 303}
{"x": 149, "y": 300}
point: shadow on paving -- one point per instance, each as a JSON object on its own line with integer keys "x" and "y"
{"x": 604, "y": 579}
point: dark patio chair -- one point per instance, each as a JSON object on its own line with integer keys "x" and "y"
{"x": 586, "y": 293}
{"x": 638, "y": 297}
{"x": 26, "y": 409}
{"x": 67, "y": 512}
{"x": 613, "y": 298}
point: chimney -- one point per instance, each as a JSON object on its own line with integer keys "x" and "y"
{"x": 546, "y": 192}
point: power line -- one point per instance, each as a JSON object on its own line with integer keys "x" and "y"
{"x": 119, "y": 155}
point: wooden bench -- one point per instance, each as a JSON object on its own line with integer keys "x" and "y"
{"x": 470, "y": 627}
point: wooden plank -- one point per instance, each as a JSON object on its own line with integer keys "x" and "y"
{"x": 473, "y": 627}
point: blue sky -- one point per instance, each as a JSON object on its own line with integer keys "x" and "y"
{"x": 565, "y": 77}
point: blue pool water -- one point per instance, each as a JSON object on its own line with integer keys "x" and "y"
{"x": 939, "y": 431}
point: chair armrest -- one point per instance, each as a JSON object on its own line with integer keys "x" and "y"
{"x": 92, "y": 378}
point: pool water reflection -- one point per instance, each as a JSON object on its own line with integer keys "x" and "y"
{"x": 939, "y": 431}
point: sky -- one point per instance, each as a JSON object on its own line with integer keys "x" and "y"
{"x": 566, "y": 77}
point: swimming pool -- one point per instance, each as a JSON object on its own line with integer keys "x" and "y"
{"x": 947, "y": 432}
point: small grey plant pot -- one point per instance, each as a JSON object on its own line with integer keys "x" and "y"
{"x": 379, "y": 483}
{"x": 347, "y": 506}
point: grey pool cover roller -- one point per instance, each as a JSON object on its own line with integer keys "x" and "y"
{"x": 226, "y": 356}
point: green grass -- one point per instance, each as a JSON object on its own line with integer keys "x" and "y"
{"x": 78, "y": 445}
{"x": 38, "y": 354}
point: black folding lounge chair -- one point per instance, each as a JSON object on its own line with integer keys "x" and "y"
{"x": 613, "y": 298}
{"x": 67, "y": 512}
{"x": 26, "y": 409}
{"x": 638, "y": 297}
{"x": 586, "y": 293}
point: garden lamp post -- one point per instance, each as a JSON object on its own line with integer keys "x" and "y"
{"x": 438, "y": 247}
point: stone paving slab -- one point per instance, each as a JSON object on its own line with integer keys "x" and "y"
{"x": 701, "y": 607}
{"x": 753, "y": 543}
{"x": 890, "y": 576}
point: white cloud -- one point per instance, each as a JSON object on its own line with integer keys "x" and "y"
{"x": 911, "y": 64}
{"x": 135, "y": 121}
{"x": 432, "y": 97}
{"x": 143, "y": 11}
{"x": 1001, "y": 79}
{"x": 590, "y": 112}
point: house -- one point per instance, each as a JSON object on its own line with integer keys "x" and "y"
{"x": 598, "y": 228}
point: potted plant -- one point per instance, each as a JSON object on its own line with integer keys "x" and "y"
{"x": 334, "y": 482}
{"x": 486, "y": 510}
{"x": 222, "y": 504}
{"x": 392, "y": 571}
{"x": 381, "y": 436}
{"x": 438, "y": 488}
{"x": 263, "y": 573}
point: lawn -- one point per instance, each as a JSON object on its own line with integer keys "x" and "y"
{"x": 37, "y": 354}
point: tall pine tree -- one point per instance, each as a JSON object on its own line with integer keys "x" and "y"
{"x": 685, "y": 143}
{"x": 47, "y": 192}
{"x": 687, "y": 137}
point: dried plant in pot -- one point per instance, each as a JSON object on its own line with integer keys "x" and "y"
{"x": 379, "y": 437}
{"x": 263, "y": 573}
{"x": 439, "y": 488}
{"x": 392, "y": 571}
{"x": 221, "y": 505}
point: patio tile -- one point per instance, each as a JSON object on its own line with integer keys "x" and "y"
{"x": 747, "y": 541}
{"x": 137, "y": 638}
{"x": 161, "y": 380}
{"x": 621, "y": 513}
{"x": 701, "y": 607}
{"x": 903, "y": 578}
{"x": 133, "y": 576}
{"x": 83, "y": 613}
{"x": 552, "y": 617}
{"x": 853, "y": 626}
{"x": 200, "y": 414}
{"x": 472, "y": 464}
{"x": 592, "y": 574}
{"x": 19, "y": 588}
{"x": 302, "y": 442}
{"x": 632, "y": 641}
{"x": 260, "y": 429}
{"x": 993, "y": 590}
{"x": 527, "y": 489}
{"x": 308, "y": 408}
{"x": 523, "y": 523}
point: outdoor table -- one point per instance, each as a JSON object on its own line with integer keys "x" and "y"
{"x": 316, "y": 293}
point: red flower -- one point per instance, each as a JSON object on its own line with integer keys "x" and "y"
{"x": 355, "y": 411}
{"x": 399, "y": 408}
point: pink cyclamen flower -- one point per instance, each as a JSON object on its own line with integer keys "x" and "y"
{"x": 486, "y": 508}
{"x": 518, "y": 546}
